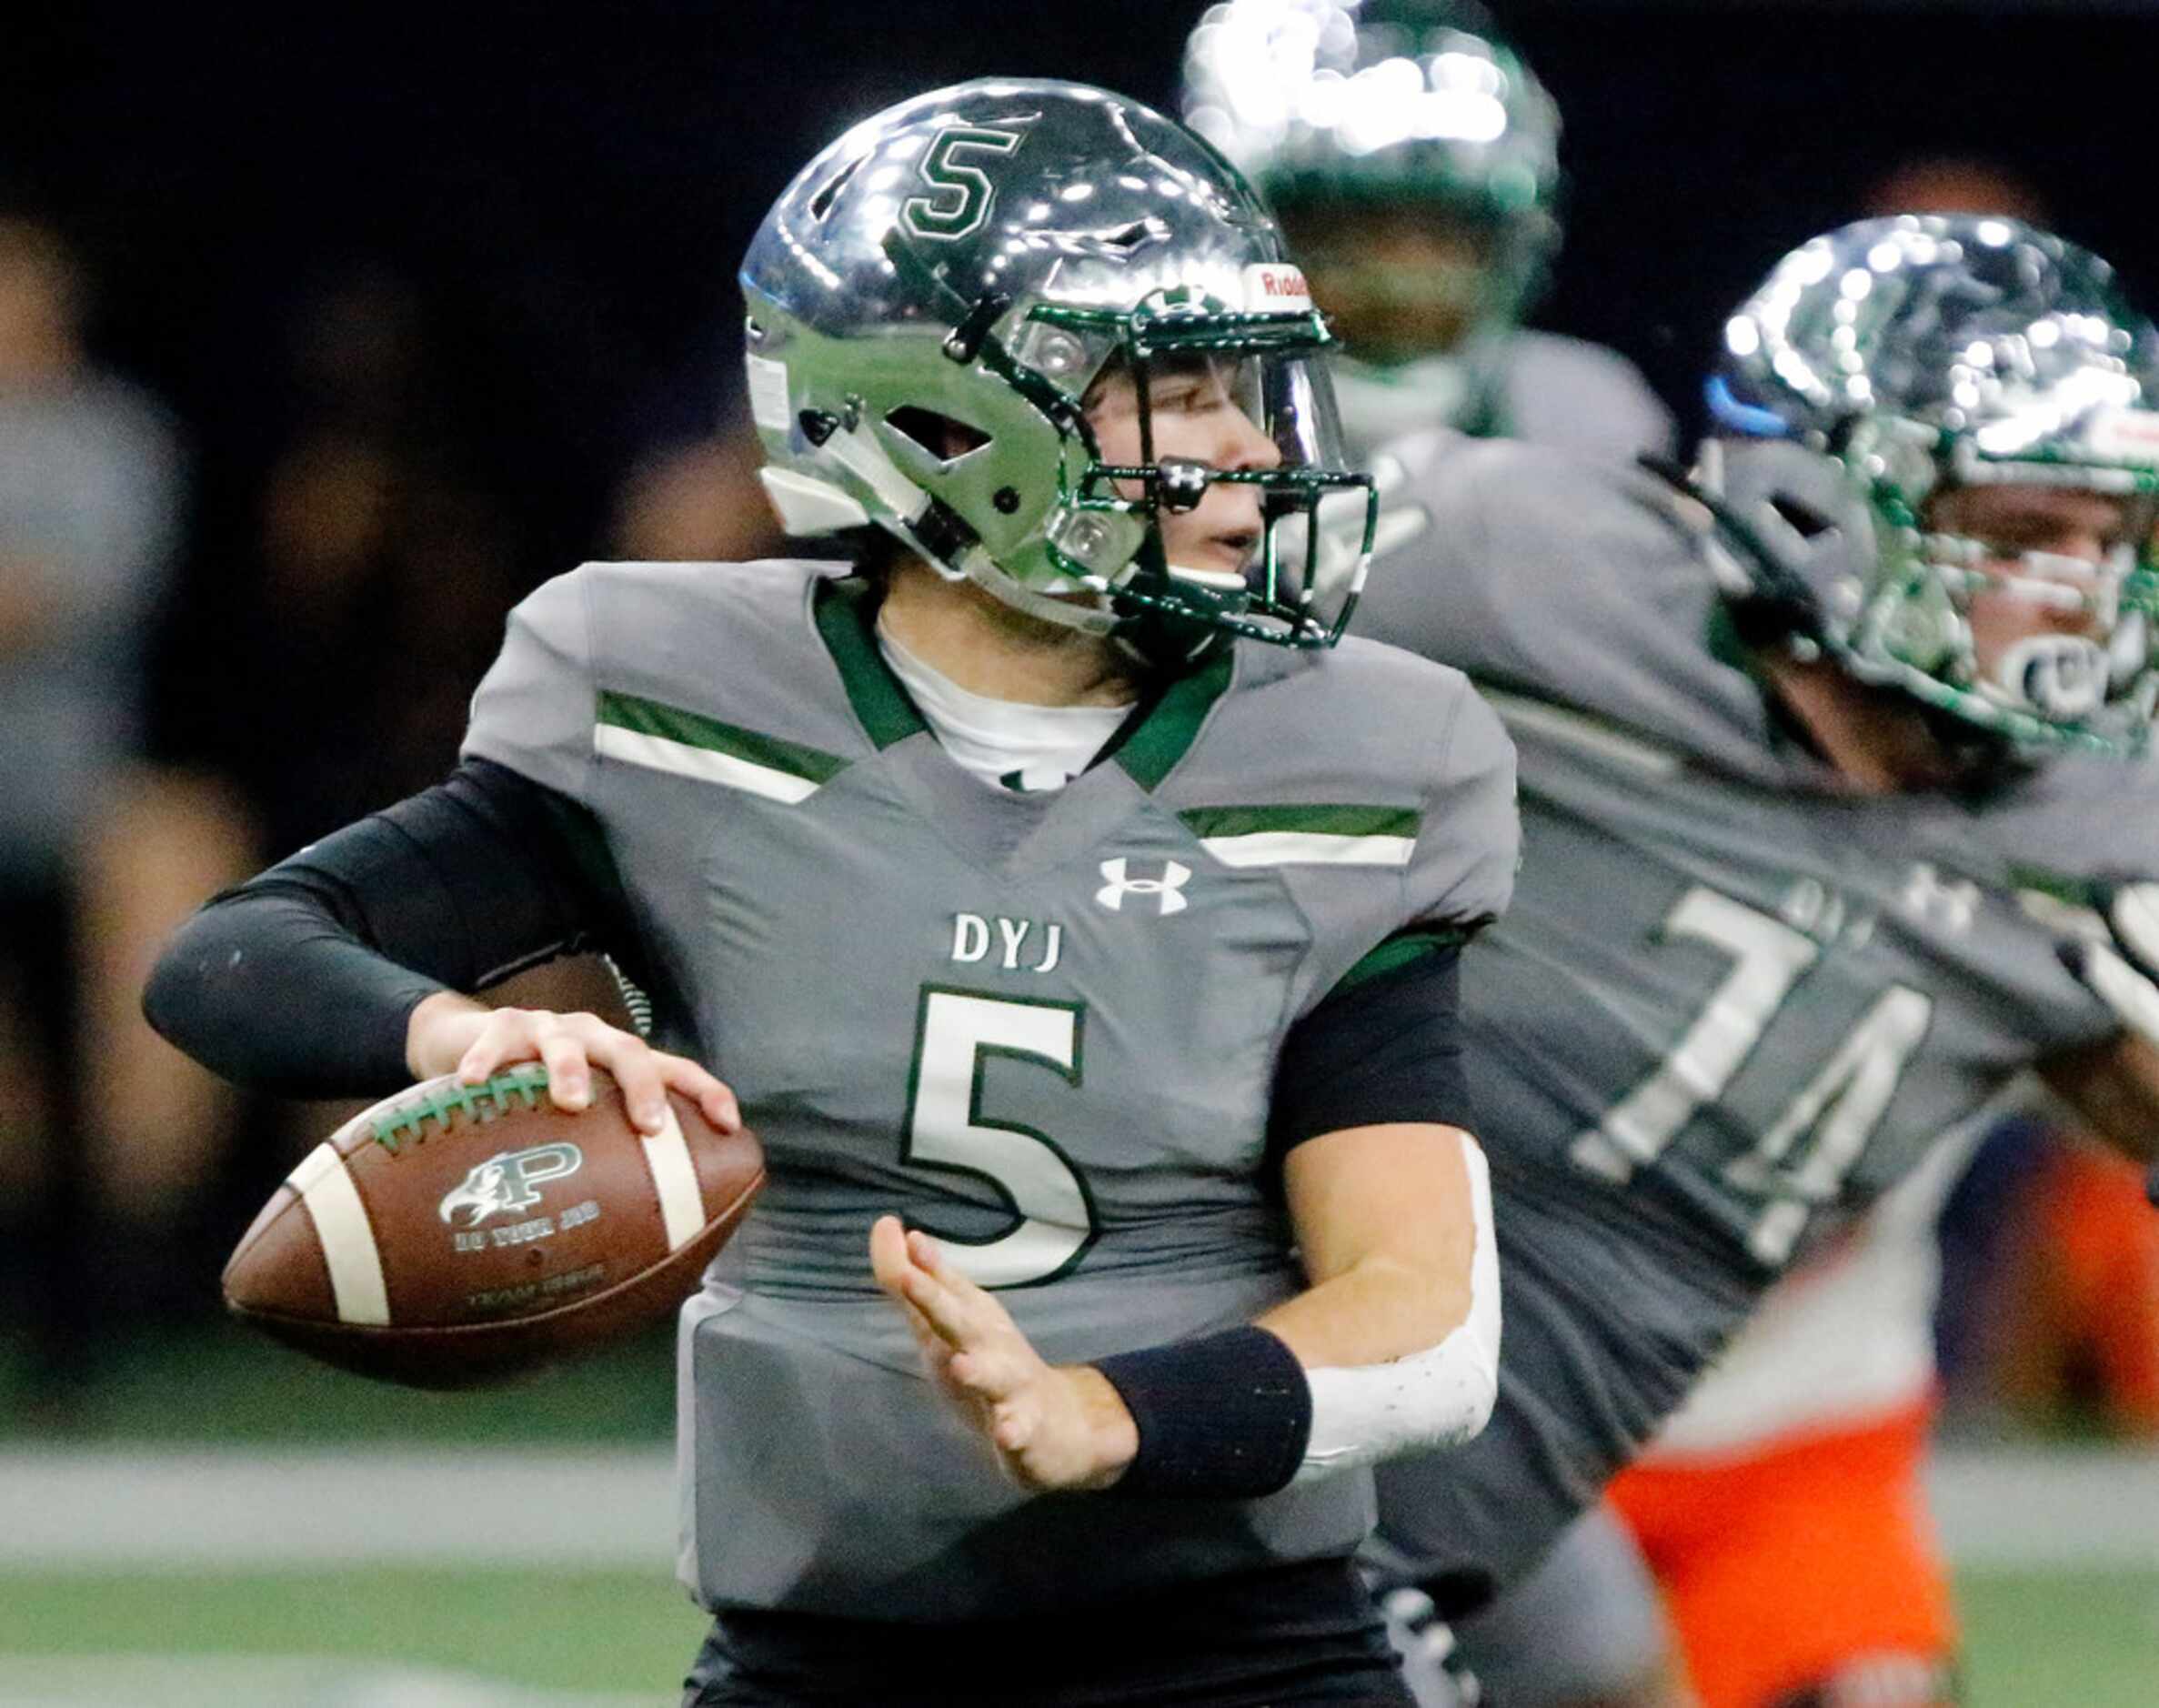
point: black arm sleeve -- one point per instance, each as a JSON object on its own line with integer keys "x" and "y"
{"x": 302, "y": 980}
{"x": 1381, "y": 1050}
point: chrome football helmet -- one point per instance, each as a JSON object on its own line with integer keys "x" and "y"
{"x": 1341, "y": 111}
{"x": 1896, "y": 360}
{"x": 929, "y": 303}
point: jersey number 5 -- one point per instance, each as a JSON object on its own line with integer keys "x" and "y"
{"x": 956, "y": 1034}
{"x": 1841, "y": 1106}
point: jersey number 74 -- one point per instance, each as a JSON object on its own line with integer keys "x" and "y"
{"x": 1839, "y": 1108}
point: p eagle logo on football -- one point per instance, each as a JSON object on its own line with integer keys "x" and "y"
{"x": 506, "y": 1181}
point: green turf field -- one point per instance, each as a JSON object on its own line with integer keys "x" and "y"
{"x": 2063, "y": 1640}
{"x": 617, "y": 1632}
{"x": 402, "y": 1633}
{"x": 2037, "y": 1640}
{"x": 220, "y": 1382}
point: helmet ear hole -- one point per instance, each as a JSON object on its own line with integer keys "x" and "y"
{"x": 937, "y": 435}
{"x": 821, "y": 203}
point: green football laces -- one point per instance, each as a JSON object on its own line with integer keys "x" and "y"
{"x": 443, "y": 1103}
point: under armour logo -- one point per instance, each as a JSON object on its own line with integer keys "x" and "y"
{"x": 1167, "y": 889}
{"x": 1951, "y": 904}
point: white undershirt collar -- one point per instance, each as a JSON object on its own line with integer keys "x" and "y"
{"x": 1004, "y": 742}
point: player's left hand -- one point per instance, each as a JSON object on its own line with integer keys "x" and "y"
{"x": 1052, "y": 1426}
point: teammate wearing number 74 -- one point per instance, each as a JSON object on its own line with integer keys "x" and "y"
{"x": 1052, "y": 882}
{"x": 1828, "y": 831}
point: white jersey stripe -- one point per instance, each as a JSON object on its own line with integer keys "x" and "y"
{"x": 706, "y": 764}
{"x": 675, "y": 1178}
{"x": 348, "y": 1241}
{"x": 1309, "y": 848}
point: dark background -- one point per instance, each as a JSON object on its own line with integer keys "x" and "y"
{"x": 567, "y": 192}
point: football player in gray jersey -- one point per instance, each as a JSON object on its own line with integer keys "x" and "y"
{"x": 1073, "y": 920}
{"x": 1413, "y": 161}
{"x": 1827, "y": 832}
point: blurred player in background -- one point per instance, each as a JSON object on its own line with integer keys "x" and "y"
{"x": 1413, "y": 161}
{"x": 90, "y": 494}
{"x": 2061, "y": 1328}
{"x": 1042, "y": 880}
{"x": 1814, "y": 1426}
{"x": 1278, "y": 86}
{"x": 1773, "y": 1540}
{"x": 1818, "y": 779}
{"x": 2065, "y": 1316}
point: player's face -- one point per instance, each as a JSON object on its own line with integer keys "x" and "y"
{"x": 2056, "y": 592}
{"x": 1393, "y": 288}
{"x": 1199, "y": 409}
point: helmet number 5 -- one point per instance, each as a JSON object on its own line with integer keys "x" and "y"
{"x": 961, "y": 195}
{"x": 956, "y": 1033}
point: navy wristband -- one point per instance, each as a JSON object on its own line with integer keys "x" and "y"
{"x": 1223, "y": 1417}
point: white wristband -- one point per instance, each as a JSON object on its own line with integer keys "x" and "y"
{"x": 1436, "y": 1397}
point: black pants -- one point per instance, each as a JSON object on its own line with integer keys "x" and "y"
{"x": 1304, "y": 1634}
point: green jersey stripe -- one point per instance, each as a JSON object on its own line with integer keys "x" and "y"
{"x": 1150, "y": 747}
{"x": 1318, "y": 820}
{"x": 844, "y": 613}
{"x": 677, "y": 728}
{"x": 2065, "y": 887}
{"x": 1398, "y": 951}
{"x": 704, "y": 764}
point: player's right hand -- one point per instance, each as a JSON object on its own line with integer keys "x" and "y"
{"x": 1052, "y": 1426}
{"x": 451, "y": 1033}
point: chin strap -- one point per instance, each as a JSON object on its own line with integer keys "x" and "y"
{"x": 977, "y": 565}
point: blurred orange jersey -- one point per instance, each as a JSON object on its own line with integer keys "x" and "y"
{"x": 1807, "y": 1564}
{"x": 1783, "y": 1510}
{"x": 2078, "y": 1324}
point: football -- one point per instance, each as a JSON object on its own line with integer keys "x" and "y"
{"x": 457, "y": 1234}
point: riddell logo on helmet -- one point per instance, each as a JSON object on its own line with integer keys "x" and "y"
{"x": 1275, "y": 285}
{"x": 2123, "y": 435}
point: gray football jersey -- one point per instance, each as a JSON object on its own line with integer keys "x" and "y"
{"x": 1574, "y": 396}
{"x": 1042, "y": 1026}
{"x": 1580, "y": 398}
{"x": 1732, "y": 1003}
